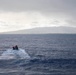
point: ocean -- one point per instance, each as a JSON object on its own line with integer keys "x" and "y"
{"x": 51, "y": 54}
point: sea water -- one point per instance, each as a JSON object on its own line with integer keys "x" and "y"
{"x": 51, "y": 54}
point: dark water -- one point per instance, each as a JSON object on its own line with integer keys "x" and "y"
{"x": 51, "y": 54}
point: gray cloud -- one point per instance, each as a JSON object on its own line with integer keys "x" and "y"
{"x": 40, "y": 5}
{"x": 48, "y": 7}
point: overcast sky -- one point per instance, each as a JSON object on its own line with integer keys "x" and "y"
{"x": 26, "y": 14}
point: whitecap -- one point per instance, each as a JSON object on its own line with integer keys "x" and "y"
{"x": 15, "y": 54}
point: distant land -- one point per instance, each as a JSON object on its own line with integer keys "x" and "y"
{"x": 46, "y": 30}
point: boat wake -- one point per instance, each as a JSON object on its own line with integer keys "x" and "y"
{"x": 14, "y": 54}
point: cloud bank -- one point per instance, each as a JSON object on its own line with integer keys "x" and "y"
{"x": 26, "y": 14}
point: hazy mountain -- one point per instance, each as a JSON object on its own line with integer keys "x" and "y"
{"x": 45, "y": 30}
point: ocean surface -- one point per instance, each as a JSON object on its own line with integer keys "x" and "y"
{"x": 51, "y": 54}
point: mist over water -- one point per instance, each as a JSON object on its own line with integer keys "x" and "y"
{"x": 51, "y": 54}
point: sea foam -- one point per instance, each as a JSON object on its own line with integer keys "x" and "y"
{"x": 15, "y": 54}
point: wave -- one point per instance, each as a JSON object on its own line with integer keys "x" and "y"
{"x": 14, "y": 54}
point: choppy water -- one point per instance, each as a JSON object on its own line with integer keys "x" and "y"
{"x": 51, "y": 54}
